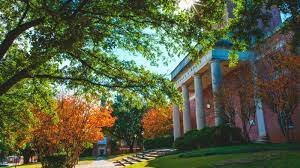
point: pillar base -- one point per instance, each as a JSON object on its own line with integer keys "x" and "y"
{"x": 262, "y": 140}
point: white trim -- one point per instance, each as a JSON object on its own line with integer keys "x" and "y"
{"x": 194, "y": 69}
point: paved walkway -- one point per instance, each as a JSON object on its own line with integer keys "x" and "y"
{"x": 99, "y": 163}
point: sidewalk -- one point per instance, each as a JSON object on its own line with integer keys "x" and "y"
{"x": 99, "y": 163}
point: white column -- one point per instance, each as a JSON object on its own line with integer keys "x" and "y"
{"x": 200, "y": 116}
{"x": 186, "y": 111}
{"x": 176, "y": 122}
{"x": 262, "y": 133}
{"x": 259, "y": 112}
{"x": 216, "y": 77}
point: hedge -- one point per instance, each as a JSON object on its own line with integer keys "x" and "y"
{"x": 159, "y": 142}
{"x": 55, "y": 161}
{"x": 209, "y": 137}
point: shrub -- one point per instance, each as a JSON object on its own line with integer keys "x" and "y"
{"x": 88, "y": 151}
{"x": 208, "y": 137}
{"x": 179, "y": 144}
{"x": 55, "y": 161}
{"x": 160, "y": 142}
{"x": 226, "y": 135}
{"x": 189, "y": 141}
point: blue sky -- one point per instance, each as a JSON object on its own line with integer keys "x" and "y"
{"x": 161, "y": 68}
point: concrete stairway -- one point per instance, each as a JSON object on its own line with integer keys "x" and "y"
{"x": 142, "y": 156}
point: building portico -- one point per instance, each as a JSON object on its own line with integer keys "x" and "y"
{"x": 199, "y": 83}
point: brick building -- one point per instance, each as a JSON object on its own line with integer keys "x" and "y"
{"x": 200, "y": 81}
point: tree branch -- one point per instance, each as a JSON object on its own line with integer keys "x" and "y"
{"x": 15, "y": 33}
{"x": 85, "y": 63}
{"x": 12, "y": 81}
{"x": 76, "y": 79}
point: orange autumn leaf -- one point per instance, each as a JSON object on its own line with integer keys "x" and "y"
{"x": 157, "y": 122}
{"x": 75, "y": 123}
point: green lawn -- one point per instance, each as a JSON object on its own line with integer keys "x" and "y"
{"x": 86, "y": 160}
{"x": 119, "y": 157}
{"x": 82, "y": 161}
{"x": 267, "y": 156}
{"x": 32, "y": 165}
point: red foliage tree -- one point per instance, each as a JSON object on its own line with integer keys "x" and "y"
{"x": 75, "y": 123}
{"x": 278, "y": 86}
{"x": 243, "y": 85}
{"x": 157, "y": 122}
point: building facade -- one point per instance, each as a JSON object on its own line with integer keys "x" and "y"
{"x": 102, "y": 147}
{"x": 200, "y": 82}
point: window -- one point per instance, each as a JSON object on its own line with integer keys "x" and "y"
{"x": 252, "y": 122}
{"x": 289, "y": 124}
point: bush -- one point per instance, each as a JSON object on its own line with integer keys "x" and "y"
{"x": 208, "y": 137}
{"x": 225, "y": 135}
{"x": 179, "y": 144}
{"x": 189, "y": 141}
{"x": 88, "y": 151}
{"x": 160, "y": 142}
{"x": 55, "y": 161}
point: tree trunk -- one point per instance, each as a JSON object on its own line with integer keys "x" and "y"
{"x": 245, "y": 133}
{"x": 131, "y": 148}
{"x": 26, "y": 158}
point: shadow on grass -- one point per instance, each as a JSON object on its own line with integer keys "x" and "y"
{"x": 250, "y": 148}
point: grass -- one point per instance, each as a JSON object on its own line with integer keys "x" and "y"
{"x": 86, "y": 160}
{"x": 118, "y": 157}
{"x": 31, "y": 165}
{"x": 270, "y": 156}
{"x": 250, "y": 148}
{"x": 82, "y": 161}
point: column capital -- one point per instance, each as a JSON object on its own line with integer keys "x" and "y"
{"x": 215, "y": 60}
{"x": 197, "y": 75}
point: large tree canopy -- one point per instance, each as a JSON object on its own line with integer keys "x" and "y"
{"x": 73, "y": 41}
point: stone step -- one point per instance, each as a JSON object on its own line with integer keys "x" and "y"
{"x": 118, "y": 163}
{"x": 143, "y": 157}
{"x": 126, "y": 161}
{"x": 134, "y": 158}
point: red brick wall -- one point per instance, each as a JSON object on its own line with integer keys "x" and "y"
{"x": 272, "y": 126}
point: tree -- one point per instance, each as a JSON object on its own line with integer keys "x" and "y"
{"x": 252, "y": 20}
{"x": 73, "y": 42}
{"x": 247, "y": 97}
{"x": 278, "y": 86}
{"x": 228, "y": 103}
{"x": 16, "y": 118}
{"x": 75, "y": 124}
{"x": 27, "y": 151}
{"x": 157, "y": 122}
{"x": 242, "y": 86}
{"x": 129, "y": 113}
